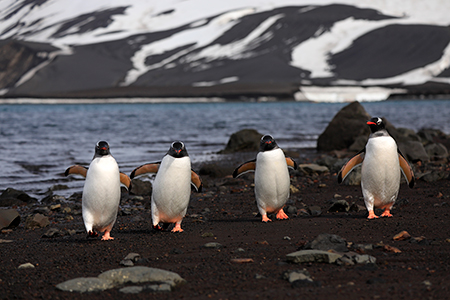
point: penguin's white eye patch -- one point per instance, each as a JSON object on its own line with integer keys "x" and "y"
{"x": 379, "y": 121}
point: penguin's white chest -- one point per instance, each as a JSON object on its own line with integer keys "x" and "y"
{"x": 172, "y": 188}
{"x": 380, "y": 171}
{"x": 272, "y": 181}
{"x": 101, "y": 192}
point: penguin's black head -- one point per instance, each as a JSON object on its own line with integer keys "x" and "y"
{"x": 102, "y": 148}
{"x": 376, "y": 124}
{"x": 267, "y": 143}
{"x": 177, "y": 150}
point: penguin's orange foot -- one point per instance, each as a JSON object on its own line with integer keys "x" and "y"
{"x": 92, "y": 234}
{"x": 281, "y": 215}
{"x": 372, "y": 215}
{"x": 107, "y": 237}
{"x": 265, "y": 219}
{"x": 177, "y": 228}
{"x": 387, "y": 213}
{"x": 157, "y": 227}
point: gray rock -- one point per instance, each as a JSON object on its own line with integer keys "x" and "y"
{"x": 11, "y": 197}
{"x": 215, "y": 170}
{"x": 52, "y": 232}
{"x": 213, "y": 245}
{"x": 243, "y": 140}
{"x": 126, "y": 263}
{"x": 83, "y": 285}
{"x": 36, "y": 221}
{"x": 292, "y": 275}
{"x": 312, "y": 256}
{"x": 345, "y": 261}
{"x": 414, "y": 151}
{"x": 141, "y": 275}
{"x": 9, "y": 218}
{"x": 163, "y": 287}
{"x": 344, "y": 128}
{"x": 339, "y": 206}
{"x": 364, "y": 259}
{"x": 359, "y": 143}
{"x": 434, "y": 176}
{"x": 312, "y": 169}
{"x": 26, "y": 266}
{"x": 314, "y": 210}
{"x": 327, "y": 242}
{"x": 141, "y": 187}
{"x": 132, "y": 289}
{"x": 354, "y": 177}
{"x": 436, "y": 151}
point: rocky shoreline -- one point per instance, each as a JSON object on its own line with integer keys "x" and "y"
{"x": 326, "y": 249}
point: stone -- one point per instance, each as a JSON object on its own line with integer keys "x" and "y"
{"x": 354, "y": 177}
{"x": 141, "y": 274}
{"x": 327, "y": 242}
{"x": 292, "y": 275}
{"x": 359, "y": 143}
{"x": 26, "y": 266}
{"x": 436, "y": 151}
{"x": 364, "y": 259}
{"x": 403, "y": 235}
{"x": 414, "y": 151}
{"x": 36, "y": 221}
{"x": 315, "y": 210}
{"x": 141, "y": 187}
{"x": 133, "y": 256}
{"x": 83, "y": 285}
{"x": 243, "y": 140}
{"x": 303, "y": 256}
{"x": 434, "y": 176}
{"x": 213, "y": 245}
{"x": 309, "y": 169}
{"x": 132, "y": 289}
{"x": 348, "y": 124}
{"x": 9, "y": 218}
{"x": 52, "y": 232}
{"x": 214, "y": 170}
{"x": 339, "y": 206}
{"x": 11, "y": 197}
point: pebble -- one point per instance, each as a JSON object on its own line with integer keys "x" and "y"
{"x": 36, "y": 220}
{"x": 165, "y": 280}
{"x": 404, "y": 235}
{"x": 212, "y": 245}
{"x": 303, "y": 256}
{"x": 5, "y": 241}
{"x": 26, "y": 266}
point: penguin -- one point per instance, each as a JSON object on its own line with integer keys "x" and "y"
{"x": 272, "y": 180}
{"x": 101, "y": 192}
{"x": 171, "y": 187}
{"x": 382, "y": 165}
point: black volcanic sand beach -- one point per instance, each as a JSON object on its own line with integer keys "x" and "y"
{"x": 225, "y": 213}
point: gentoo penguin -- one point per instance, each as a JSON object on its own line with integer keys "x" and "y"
{"x": 101, "y": 192}
{"x": 382, "y": 163}
{"x": 272, "y": 180}
{"x": 171, "y": 187}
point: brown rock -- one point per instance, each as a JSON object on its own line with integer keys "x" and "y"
{"x": 36, "y": 221}
{"x": 404, "y": 235}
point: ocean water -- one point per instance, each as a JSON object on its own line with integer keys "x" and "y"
{"x": 39, "y": 141}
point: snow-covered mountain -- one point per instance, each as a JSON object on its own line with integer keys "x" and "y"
{"x": 333, "y": 50}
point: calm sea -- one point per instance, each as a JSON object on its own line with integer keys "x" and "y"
{"x": 38, "y": 142}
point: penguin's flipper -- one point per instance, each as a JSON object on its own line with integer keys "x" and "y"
{"x": 350, "y": 165}
{"x": 76, "y": 169}
{"x": 125, "y": 180}
{"x": 248, "y": 166}
{"x": 291, "y": 163}
{"x": 147, "y": 168}
{"x": 406, "y": 169}
{"x": 196, "y": 181}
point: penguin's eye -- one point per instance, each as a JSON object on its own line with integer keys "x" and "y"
{"x": 379, "y": 121}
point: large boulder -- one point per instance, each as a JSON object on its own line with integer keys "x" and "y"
{"x": 11, "y": 197}
{"x": 348, "y": 124}
{"x": 243, "y": 140}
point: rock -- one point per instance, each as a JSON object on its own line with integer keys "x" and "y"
{"x": 207, "y": 234}
{"x": 414, "y": 151}
{"x": 291, "y": 210}
{"x": 434, "y": 176}
{"x": 314, "y": 210}
{"x": 5, "y": 241}
{"x": 11, "y": 197}
{"x": 327, "y": 242}
{"x": 141, "y": 187}
{"x": 36, "y": 221}
{"x": 309, "y": 169}
{"x": 348, "y": 124}
{"x": 436, "y": 151}
{"x": 9, "y": 218}
{"x": 356, "y": 207}
{"x": 52, "y": 232}
{"x": 141, "y": 275}
{"x": 215, "y": 171}
{"x": 55, "y": 207}
{"x": 130, "y": 259}
{"x": 132, "y": 289}
{"x": 339, "y": 206}
{"x": 364, "y": 259}
{"x": 354, "y": 177}
{"x": 51, "y": 199}
{"x": 241, "y": 260}
{"x": 126, "y": 263}
{"x": 163, "y": 287}
{"x": 404, "y": 235}
{"x": 26, "y": 266}
{"x": 212, "y": 245}
{"x": 243, "y": 140}
{"x": 359, "y": 143}
{"x": 83, "y": 285}
{"x": 312, "y": 256}
{"x": 292, "y": 275}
